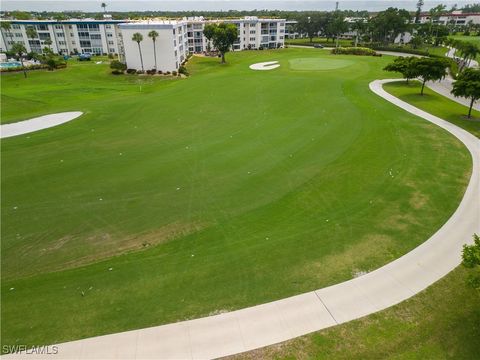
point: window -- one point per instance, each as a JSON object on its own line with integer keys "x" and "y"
{"x": 173, "y": 31}
{"x": 44, "y": 36}
{"x": 252, "y": 39}
{"x": 174, "y": 42}
{"x": 72, "y": 35}
{"x": 110, "y": 42}
{"x": 58, "y": 26}
{"x": 108, "y": 26}
{"x": 42, "y": 27}
{"x": 109, "y": 35}
{"x": 252, "y": 31}
{"x": 73, "y": 42}
{"x": 82, "y": 26}
{"x": 84, "y": 43}
{"x": 175, "y": 53}
{"x": 15, "y": 26}
{"x": 60, "y": 35}
{"x": 62, "y": 42}
{"x": 83, "y": 34}
{"x": 111, "y": 50}
{"x": 95, "y": 36}
{"x": 18, "y": 35}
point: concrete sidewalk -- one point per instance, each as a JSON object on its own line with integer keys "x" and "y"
{"x": 281, "y": 320}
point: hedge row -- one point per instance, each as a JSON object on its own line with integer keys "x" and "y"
{"x": 355, "y": 51}
{"x": 19, "y": 68}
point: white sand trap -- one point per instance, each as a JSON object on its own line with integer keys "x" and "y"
{"x": 269, "y": 65}
{"x": 38, "y": 123}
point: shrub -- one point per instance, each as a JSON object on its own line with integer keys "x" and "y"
{"x": 117, "y": 67}
{"x": 167, "y": 73}
{"x": 117, "y": 72}
{"x": 131, "y": 71}
{"x": 140, "y": 72}
{"x": 110, "y": 56}
{"x": 354, "y": 51}
{"x": 174, "y": 73}
{"x": 160, "y": 72}
{"x": 183, "y": 70}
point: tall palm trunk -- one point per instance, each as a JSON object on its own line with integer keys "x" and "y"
{"x": 141, "y": 58}
{"x": 23, "y": 67}
{"x": 155, "y": 54}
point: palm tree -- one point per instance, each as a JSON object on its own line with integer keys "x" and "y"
{"x": 104, "y": 6}
{"x": 153, "y": 35}
{"x": 7, "y": 27}
{"x": 31, "y": 33}
{"x": 20, "y": 51}
{"x": 137, "y": 37}
{"x": 48, "y": 42}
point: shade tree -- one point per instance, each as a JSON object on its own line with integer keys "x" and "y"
{"x": 467, "y": 85}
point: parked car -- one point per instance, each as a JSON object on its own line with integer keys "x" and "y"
{"x": 318, "y": 46}
{"x": 84, "y": 57}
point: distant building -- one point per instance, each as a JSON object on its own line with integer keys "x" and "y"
{"x": 253, "y": 33}
{"x": 67, "y": 37}
{"x": 456, "y": 18}
{"x": 170, "y": 45}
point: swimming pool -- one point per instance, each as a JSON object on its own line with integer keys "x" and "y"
{"x": 10, "y": 64}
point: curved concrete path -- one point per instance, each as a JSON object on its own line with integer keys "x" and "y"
{"x": 38, "y": 123}
{"x": 281, "y": 320}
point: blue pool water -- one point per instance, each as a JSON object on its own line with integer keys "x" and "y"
{"x": 10, "y": 64}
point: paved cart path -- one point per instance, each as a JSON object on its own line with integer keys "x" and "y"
{"x": 38, "y": 123}
{"x": 281, "y": 320}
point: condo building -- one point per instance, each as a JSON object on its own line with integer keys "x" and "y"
{"x": 166, "y": 54}
{"x": 67, "y": 37}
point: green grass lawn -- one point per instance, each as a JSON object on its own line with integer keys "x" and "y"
{"x": 472, "y": 39}
{"x": 173, "y": 199}
{"x": 436, "y": 104}
{"x": 441, "y": 322}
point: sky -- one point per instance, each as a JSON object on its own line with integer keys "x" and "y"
{"x": 169, "y": 5}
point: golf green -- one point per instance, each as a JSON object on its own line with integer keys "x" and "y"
{"x": 171, "y": 199}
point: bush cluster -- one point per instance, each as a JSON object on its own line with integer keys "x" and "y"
{"x": 354, "y": 51}
{"x": 183, "y": 70}
{"x": 19, "y": 68}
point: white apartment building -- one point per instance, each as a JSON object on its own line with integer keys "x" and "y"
{"x": 170, "y": 48}
{"x": 253, "y": 33}
{"x": 456, "y": 18}
{"x": 67, "y": 37}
